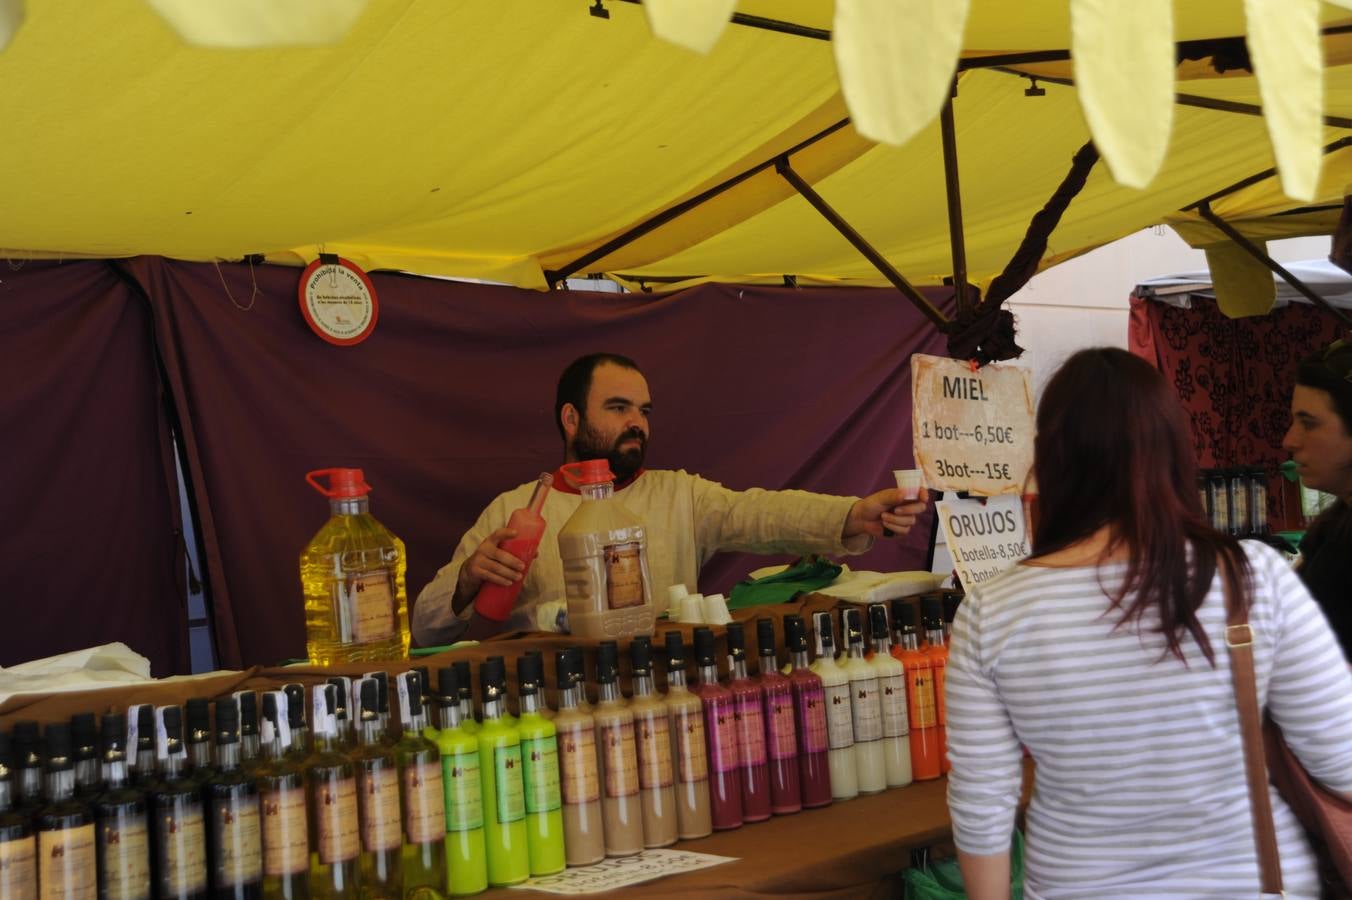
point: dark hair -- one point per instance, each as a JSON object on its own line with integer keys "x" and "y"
{"x": 1114, "y": 448}
{"x": 1330, "y": 370}
{"x": 575, "y": 382}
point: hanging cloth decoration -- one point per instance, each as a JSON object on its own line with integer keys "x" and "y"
{"x": 242, "y": 24}
{"x": 692, "y": 24}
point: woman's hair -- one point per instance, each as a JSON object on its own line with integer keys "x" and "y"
{"x": 1330, "y": 370}
{"x": 1114, "y": 448}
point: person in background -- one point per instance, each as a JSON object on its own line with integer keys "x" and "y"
{"x": 601, "y": 408}
{"x": 1104, "y": 654}
{"x": 1320, "y": 442}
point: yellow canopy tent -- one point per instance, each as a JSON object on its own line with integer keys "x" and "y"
{"x": 508, "y": 139}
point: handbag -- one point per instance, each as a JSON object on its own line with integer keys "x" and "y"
{"x": 1327, "y": 818}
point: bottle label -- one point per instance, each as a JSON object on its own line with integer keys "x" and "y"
{"x": 19, "y": 871}
{"x": 124, "y": 849}
{"x": 286, "y": 841}
{"x": 920, "y": 697}
{"x": 183, "y": 851}
{"x": 425, "y": 803}
{"x": 620, "y": 757}
{"x": 866, "y": 710}
{"x": 577, "y": 765}
{"x": 67, "y": 869}
{"x": 238, "y": 840}
{"x": 379, "y": 793}
{"x": 779, "y": 725}
{"x": 721, "y": 730}
{"x": 464, "y": 791}
{"x": 541, "y": 757}
{"x": 337, "y": 824}
{"x": 750, "y": 729}
{"x": 370, "y": 601}
{"x": 624, "y": 575}
{"x": 892, "y": 690}
{"x": 812, "y": 718}
{"x": 690, "y": 749}
{"x": 654, "y": 749}
{"x": 511, "y": 789}
{"x": 839, "y": 720}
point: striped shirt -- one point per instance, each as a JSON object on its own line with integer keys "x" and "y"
{"x": 1140, "y": 788}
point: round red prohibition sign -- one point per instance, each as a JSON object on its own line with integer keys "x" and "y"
{"x": 338, "y": 301}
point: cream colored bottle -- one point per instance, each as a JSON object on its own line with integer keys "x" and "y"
{"x": 892, "y": 696}
{"x": 694, "y": 814}
{"x": 866, "y": 710}
{"x": 584, "y": 839}
{"x": 621, "y": 807}
{"x": 839, "y": 719}
{"x": 656, "y": 768}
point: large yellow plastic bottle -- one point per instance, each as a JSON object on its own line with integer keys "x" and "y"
{"x": 352, "y": 574}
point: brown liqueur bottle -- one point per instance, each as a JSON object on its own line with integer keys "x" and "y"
{"x": 584, "y": 841}
{"x": 281, "y": 788}
{"x": 67, "y": 869}
{"x": 122, "y": 826}
{"x": 178, "y": 827}
{"x": 656, "y": 766}
{"x": 27, "y": 767}
{"x": 621, "y": 810}
{"x": 234, "y": 824}
{"x": 18, "y": 847}
{"x": 694, "y": 815}
{"x": 331, "y": 794}
{"x": 378, "y": 798}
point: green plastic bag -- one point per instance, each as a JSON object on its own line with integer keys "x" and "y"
{"x": 943, "y": 881}
{"x": 806, "y": 574}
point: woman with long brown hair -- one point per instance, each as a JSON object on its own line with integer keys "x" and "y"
{"x": 1104, "y": 655}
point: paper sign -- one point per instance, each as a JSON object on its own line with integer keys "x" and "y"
{"x": 972, "y": 431}
{"x": 985, "y": 538}
{"x": 623, "y": 871}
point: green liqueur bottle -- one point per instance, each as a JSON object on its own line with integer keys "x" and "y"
{"x": 18, "y": 847}
{"x": 331, "y": 798}
{"x": 281, "y": 789}
{"x": 421, "y": 794}
{"x": 378, "y": 798}
{"x": 178, "y": 827}
{"x": 504, "y": 790}
{"x": 65, "y": 826}
{"x": 540, "y": 756}
{"x": 121, "y": 823}
{"x": 466, "y": 857}
{"x": 234, "y": 826}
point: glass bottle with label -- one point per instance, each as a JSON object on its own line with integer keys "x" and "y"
{"x": 694, "y": 818}
{"x": 281, "y": 790}
{"x": 463, "y": 674}
{"x": 331, "y": 801}
{"x": 931, "y": 615}
{"x": 121, "y": 824}
{"x": 67, "y": 866}
{"x": 250, "y": 752}
{"x": 809, "y": 705}
{"x": 18, "y": 846}
{"x": 295, "y": 719}
{"x": 540, "y": 761}
{"x": 839, "y": 718}
{"x": 720, "y": 735}
{"x": 621, "y": 809}
{"x": 84, "y": 737}
{"x": 26, "y": 743}
{"x": 178, "y": 836}
{"x": 584, "y": 840}
{"x": 141, "y": 740}
{"x": 197, "y": 738}
{"x": 344, "y": 713}
{"x": 352, "y": 575}
{"x": 388, "y": 727}
{"x": 748, "y": 712}
{"x": 234, "y": 819}
{"x": 892, "y": 694}
{"x": 1258, "y": 503}
{"x": 921, "y": 704}
{"x": 781, "y": 730}
{"x": 578, "y": 670}
{"x": 866, "y": 709}
{"x": 466, "y": 857}
{"x": 656, "y": 763}
{"x": 421, "y": 795}
{"x": 504, "y": 790}
{"x": 377, "y": 798}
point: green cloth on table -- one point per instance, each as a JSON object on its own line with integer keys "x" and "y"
{"x": 943, "y": 881}
{"x": 806, "y": 574}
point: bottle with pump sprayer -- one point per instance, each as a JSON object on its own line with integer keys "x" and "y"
{"x": 839, "y": 717}
{"x": 720, "y": 733}
{"x": 466, "y": 856}
{"x": 281, "y": 791}
{"x": 494, "y": 602}
{"x": 621, "y": 808}
{"x": 932, "y": 615}
{"x": 421, "y": 794}
{"x": 892, "y": 694}
{"x": 921, "y": 704}
{"x": 656, "y": 766}
{"x": 234, "y": 825}
{"x": 377, "y": 798}
{"x": 18, "y": 846}
{"x": 781, "y": 730}
{"x": 809, "y": 704}
{"x": 584, "y": 840}
{"x": 866, "y": 709}
{"x": 331, "y": 788}
{"x": 504, "y": 790}
{"x": 748, "y": 713}
{"x": 540, "y": 761}
{"x": 121, "y": 822}
{"x": 178, "y": 825}
{"x": 67, "y": 855}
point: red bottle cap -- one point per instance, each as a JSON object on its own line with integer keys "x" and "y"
{"x": 342, "y": 482}
{"x": 589, "y": 471}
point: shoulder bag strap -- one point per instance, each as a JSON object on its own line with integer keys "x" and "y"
{"x": 1239, "y": 641}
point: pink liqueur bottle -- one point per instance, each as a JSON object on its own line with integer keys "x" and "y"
{"x": 781, "y": 729}
{"x": 748, "y": 712}
{"x": 720, "y": 731}
{"x": 809, "y": 702}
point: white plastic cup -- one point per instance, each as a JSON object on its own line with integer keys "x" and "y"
{"x": 910, "y": 482}
{"x": 716, "y": 610}
{"x": 675, "y": 594}
{"x": 692, "y": 609}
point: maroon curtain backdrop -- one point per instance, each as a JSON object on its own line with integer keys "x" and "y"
{"x": 90, "y": 548}
{"x": 450, "y": 401}
{"x": 1234, "y": 376}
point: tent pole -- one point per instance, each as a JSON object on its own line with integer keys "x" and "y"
{"x": 955, "y": 236}
{"x": 857, "y": 240}
{"x": 1204, "y": 210}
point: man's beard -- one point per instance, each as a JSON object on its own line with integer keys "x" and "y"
{"x": 624, "y": 464}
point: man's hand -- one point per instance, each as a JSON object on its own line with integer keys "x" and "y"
{"x": 883, "y": 510}
{"x": 489, "y": 563}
